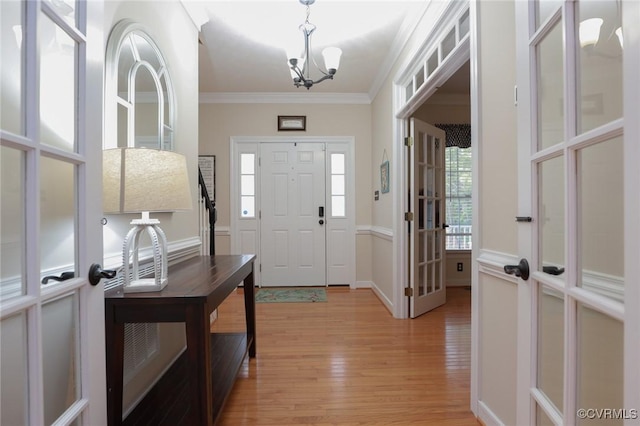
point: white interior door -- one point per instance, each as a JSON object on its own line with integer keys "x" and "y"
{"x": 292, "y": 211}
{"x": 572, "y": 207}
{"x": 51, "y": 332}
{"x": 427, "y": 230}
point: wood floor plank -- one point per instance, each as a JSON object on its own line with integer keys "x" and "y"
{"x": 349, "y": 362}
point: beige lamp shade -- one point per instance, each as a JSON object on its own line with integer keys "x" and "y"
{"x": 144, "y": 180}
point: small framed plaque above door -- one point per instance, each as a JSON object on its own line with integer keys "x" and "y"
{"x": 292, "y": 122}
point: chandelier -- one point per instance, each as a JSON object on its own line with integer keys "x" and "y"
{"x": 301, "y": 66}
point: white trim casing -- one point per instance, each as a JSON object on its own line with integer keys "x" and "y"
{"x": 476, "y": 236}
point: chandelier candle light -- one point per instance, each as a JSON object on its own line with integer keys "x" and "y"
{"x": 138, "y": 180}
{"x": 300, "y": 66}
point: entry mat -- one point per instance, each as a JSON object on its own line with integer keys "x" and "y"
{"x": 291, "y": 295}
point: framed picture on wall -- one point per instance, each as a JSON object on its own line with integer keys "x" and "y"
{"x": 384, "y": 177}
{"x": 207, "y": 166}
{"x": 292, "y": 122}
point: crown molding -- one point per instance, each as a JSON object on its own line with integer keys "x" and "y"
{"x": 407, "y": 29}
{"x": 283, "y": 98}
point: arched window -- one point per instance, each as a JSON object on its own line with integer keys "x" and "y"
{"x": 139, "y": 110}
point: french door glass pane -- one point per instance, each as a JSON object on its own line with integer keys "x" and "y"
{"x": 600, "y": 364}
{"x": 13, "y": 370}
{"x": 57, "y": 217}
{"x": 544, "y": 10}
{"x": 551, "y": 344}
{"x": 550, "y": 90}
{"x": 542, "y": 419}
{"x": 600, "y": 55}
{"x": 551, "y": 213}
{"x": 65, "y": 8}
{"x": 12, "y": 225}
{"x": 57, "y": 86}
{"x": 60, "y": 360}
{"x": 11, "y": 102}
{"x": 600, "y": 212}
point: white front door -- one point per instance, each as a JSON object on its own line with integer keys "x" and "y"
{"x": 52, "y": 347}
{"x": 572, "y": 141}
{"x": 427, "y": 229}
{"x": 293, "y": 214}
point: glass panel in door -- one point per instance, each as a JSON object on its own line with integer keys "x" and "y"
{"x": 11, "y": 44}
{"x": 573, "y": 143}
{"x": 600, "y": 218}
{"x": 600, "y": 365}
{"x": 550, "y": 93}
{"x": 12, "y": 223}
{"x": 551, "y": 216}
{"x": 49, "y": 150}
{"x": 427, "y": 233}
{"x": 599, "y": 93}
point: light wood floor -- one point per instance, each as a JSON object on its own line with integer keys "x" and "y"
{"x": 349, "y": 362}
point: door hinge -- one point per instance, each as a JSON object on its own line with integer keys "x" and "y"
{"x": 515, "y": 95}
{"x": 260, "y": 267}
{"x": 259, "y": 161}
{"x": 408, "y": 216}
{"x": 259, "y": 214}
{"x": 408, "y": 141}
{"x": 408, "y": 291}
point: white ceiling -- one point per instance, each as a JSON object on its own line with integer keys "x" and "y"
{"x": 243, "y": 43}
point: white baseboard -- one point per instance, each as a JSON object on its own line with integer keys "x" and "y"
{"x": 384, "y": 299}
{"x": 487, "y": 416}
{"x": 364, "y": 284}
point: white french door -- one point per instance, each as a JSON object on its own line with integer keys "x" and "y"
{"x": 293, "y": 214}
{"x": 427, "y": 230}
{"x": 572, "y": 177}
{"x": 51, "y": 319}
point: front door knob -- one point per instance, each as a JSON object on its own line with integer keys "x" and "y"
{"x": 520, "y": 270}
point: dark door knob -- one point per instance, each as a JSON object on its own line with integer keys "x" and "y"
{"x": 96, "y": 273}
{"x": 321, "y": 222}
{"x": 520, "y": 270}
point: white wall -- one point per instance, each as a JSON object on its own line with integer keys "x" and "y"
{"x": 176, "y": 36}
{"x": 497, "y": 200}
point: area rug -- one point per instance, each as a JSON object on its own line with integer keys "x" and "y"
{"x": 291, "y": 295}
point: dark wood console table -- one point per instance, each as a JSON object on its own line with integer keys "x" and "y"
{"x": 196, "y": 287}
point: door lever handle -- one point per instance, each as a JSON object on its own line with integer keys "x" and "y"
{"x": 63, "y": 277}
{"x": 552, "y": 270}
{"x": 521, "y": 270}
{"x": 96, "y": 273}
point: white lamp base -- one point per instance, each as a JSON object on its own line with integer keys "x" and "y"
{"x": 133, "y": 283}
{"x": 145, "y": 285}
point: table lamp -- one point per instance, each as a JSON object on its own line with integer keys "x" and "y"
{"x": 140, "y": 180}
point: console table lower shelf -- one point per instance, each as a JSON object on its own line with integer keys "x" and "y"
{"x": 228, "y": 352}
